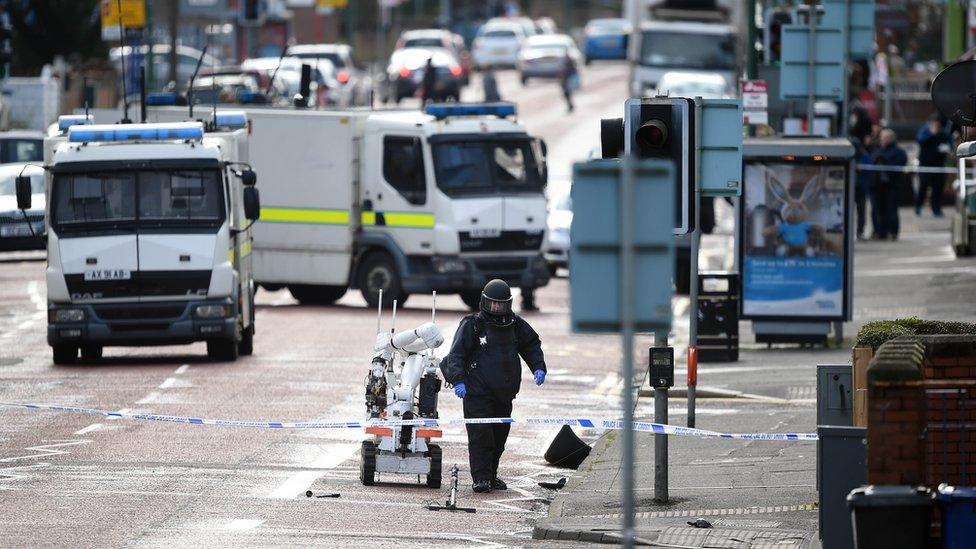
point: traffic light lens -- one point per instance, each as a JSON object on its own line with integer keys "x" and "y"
{"x": 652, "y": 135}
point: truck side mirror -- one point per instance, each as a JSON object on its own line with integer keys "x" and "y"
{"x": 252, "y": 203}
{"x": 23, "y": 192}
{"x": 249, "y": 178}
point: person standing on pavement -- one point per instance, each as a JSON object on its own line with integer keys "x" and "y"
{"x": 428, "y": 86}
{"x": 483, "y": 366}
{"x": 933, "y": 145}
{"x": 490, "y": 85}
{"x": 862, "y": 186}
{"x": 569, "y": 81}
{"x": 887, "y": 183}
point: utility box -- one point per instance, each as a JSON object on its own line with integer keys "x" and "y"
{"x": 661, "y": 367}
{"x": 841, "y": 467}
{"x": 718, "y": 317}
{"x": 835, "y": 395}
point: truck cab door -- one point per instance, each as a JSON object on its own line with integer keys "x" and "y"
{"x": 397, "y": 201}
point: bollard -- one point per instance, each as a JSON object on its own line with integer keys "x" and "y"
{"x": 692, "y": 382}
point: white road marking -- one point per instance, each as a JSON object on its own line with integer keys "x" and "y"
{"x": 922, "y": 259}
{"x": 168, "y": 383}
{"x": 150, "y": 398}
{"x": 45, "y": 450}
{"x": 913, "y": 272}
{"x": 182, "y": 369}
{"x": 243, "y": 524}
{"x": 301, "y": 481}
{"x": 25, "y": 324}
{"x": 35, "y": 296}
{"x": 90, "y": 428}
{"x": 121, "y": 411}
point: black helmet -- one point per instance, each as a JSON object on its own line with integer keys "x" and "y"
{"x": 496, "y": 301}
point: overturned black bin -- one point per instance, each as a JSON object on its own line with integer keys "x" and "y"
{"x": 891, "y": 516}
{"x": 718, "y": 316}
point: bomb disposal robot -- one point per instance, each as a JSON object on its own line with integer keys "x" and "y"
{"x": 403, "y": 362}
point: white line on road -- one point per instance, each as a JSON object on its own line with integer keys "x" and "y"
{"x": 301, "y": 481}
{"x": 150, "y": 398}
{"x": 182, "y": 369}
{"x": 914, "y": 272}
{"x": 90, "y": 428}
{"x": 168, "y": 383}
{"x": 243, "y": 524}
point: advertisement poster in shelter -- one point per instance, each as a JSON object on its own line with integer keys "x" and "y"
{"x": 794, "y": 241}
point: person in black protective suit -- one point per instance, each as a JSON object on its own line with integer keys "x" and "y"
{"x": 484, "y": 368}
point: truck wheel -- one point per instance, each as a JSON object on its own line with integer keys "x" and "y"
{"x": 380, "y": 273}
{"x": 91, "y": 352}
{"x": 471, "y": 298}
{"x": 246, "y": 346}
{"x": 222, "y": 350}
{"x": 316, "y": 294}
{"x": 367, "y": 463}
{"x": 434, "y": 478}
{"x": 65, "y": 353}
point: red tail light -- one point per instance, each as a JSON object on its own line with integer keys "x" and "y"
{"x": 343, "y": 77}
{"x": 404, "y": 72}
{"x": 455, "y": 70}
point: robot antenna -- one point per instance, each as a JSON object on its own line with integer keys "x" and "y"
{"x": 393, "y": 327}
{"x": 433, "y": 310}
{"x": 379, "y": 312}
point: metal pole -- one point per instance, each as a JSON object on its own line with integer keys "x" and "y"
{"x": 692, "y": 383}
{"x": 845, "y": 101}
{"x": 627, "y": 333}
{"x": 696, "y": 234}
{"x": 660, "y": 440}
{"x": 633, "y": 48}
{"x": 752, "y": 64}
{"x": 811, "y": 64}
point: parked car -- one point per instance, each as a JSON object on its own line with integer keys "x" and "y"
{"x": 186, "y": 62}
{"x": 21, "y": 230}
{"x": 558, "y": 224}
{"x": 405, "y": 73}
{"x": 498, "y": 44}
{"x": 528, "y": 25}
{"x": 707, "y": 85}
{"x": 348, "y": 72}
{"x": 439, "y": 38}
{"x": 21, "y": 146}
{"x": 606, "y": 39}
{"x": 325, "y": 89}
{"x": 545, "y": 56}
{"x": 233, "y": 85}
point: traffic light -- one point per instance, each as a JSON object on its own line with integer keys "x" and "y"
{"x": 659, "y": 127}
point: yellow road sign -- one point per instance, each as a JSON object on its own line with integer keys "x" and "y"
{"x": 331, "y": 3}
{"x": 133, "y": 13}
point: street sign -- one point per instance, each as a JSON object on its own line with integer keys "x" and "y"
{"x": 827, "y": 57}
{"x": 596, "y": 234}
{"x": 858, "y": 17}
{"x": 133, "y": 15}
{"x": 720, "y": 142}
{"x": 755, "y": 101}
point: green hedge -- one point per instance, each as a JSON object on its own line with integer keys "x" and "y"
{"x": 877, "y": 332}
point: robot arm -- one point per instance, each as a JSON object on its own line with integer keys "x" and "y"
{"x": 425, "y": 337}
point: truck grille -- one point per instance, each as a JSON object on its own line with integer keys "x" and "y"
{"x": 500, "y": 266}
{"x": 506, "y": 241}
{"x": 148, "y": 311}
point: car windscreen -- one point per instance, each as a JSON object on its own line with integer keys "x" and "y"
{"x": 146, "y": 198}
{"x": 499, "y": 33}
{"x": 335, "y": 58}
{"x": 687, "y": 50}
{"x": 8, "y": 184}
{"x": 423, "y": 43}
{"x": 485, "y": 167}
{"x": 21, "y": 150}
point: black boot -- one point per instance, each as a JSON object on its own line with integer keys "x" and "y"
{"x": 498, "y": 484}
{"x": 482, "y": 486}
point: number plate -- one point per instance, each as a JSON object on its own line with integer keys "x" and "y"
{"x": 108, "y": 274}
{"x": 485, "y": 233}
{"x": 20, "y": 229}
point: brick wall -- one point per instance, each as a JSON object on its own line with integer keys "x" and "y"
{"x": 922, "y": 412}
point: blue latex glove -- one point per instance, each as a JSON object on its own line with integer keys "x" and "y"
{"x": 460, "y": 390}
{"x": 540, "y": 377}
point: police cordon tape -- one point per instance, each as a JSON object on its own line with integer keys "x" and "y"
{"x": 612, "y": 424}
{"x": 911, "y": 169}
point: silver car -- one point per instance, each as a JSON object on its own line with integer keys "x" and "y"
{"x": 559, "y": 222}
{"x": 546, "y": 55}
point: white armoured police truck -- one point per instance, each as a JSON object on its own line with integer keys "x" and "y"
{"x": 400, "y": 201}
{"x": 149, "y": 236}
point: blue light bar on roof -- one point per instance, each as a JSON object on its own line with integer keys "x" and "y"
{"x": 136, "y": 132}
{"x": 230, "y": 119}
{"x": 67, "y": 120}
{"x": 445, "y": 110}
{"x": 160, "y": 99}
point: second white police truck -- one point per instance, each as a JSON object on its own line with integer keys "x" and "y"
{"x": 148, "y": 236}
{"x": 403, "y": 201}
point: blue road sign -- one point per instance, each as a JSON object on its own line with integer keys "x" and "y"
{"x": 858, "y": 17}
{"x": 595, "y": 250}
{"x": 828, "y": 59}
{"x": 720, "y": 139}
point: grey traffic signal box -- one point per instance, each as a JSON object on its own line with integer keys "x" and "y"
{"x": 835, "y": 395}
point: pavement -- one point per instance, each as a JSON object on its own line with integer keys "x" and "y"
{"x": 757, "y": 494}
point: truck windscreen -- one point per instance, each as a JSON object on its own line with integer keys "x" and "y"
{"x": 486, "y": 167}
{"x": 143, "y": 198}
{"x": 687, "y": 51}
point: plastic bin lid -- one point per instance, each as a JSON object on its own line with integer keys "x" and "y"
{"x": 949, "y": 493}
{"x": 889, "y": 496}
